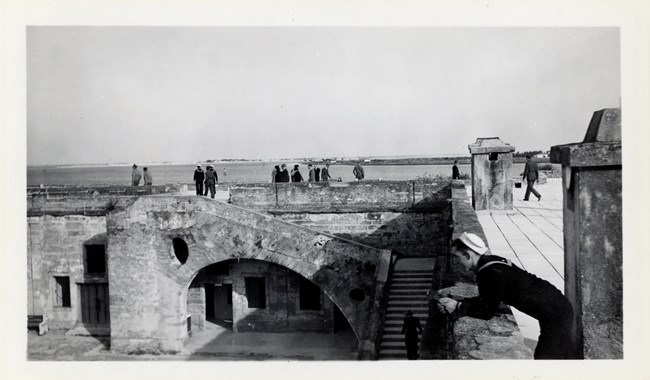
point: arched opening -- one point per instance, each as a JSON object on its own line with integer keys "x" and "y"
{"x": 253, "y": 307}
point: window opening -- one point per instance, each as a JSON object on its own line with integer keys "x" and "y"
{"x": 95, "y": 259}
{"x": 180, "y": 249}
{"x": 62, "y": 291}
{"x": 256, "y": 292}
{"x": 309, "y": 295}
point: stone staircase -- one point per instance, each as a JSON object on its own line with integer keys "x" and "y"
{"x": 409, "y": 283}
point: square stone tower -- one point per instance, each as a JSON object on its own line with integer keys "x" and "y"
{"x": 491, "y": 174}
{"x": 593, "y": 228}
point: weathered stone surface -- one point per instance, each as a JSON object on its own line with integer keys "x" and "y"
{"x": 55, "y": 248}
{"x": 317, "y": 196}
{"x": 491, "y": 179}
{"x": 329, "y": 197}
{"x": 410, "y": 234}
{"x": 605, "y": 125}
{"x": 142, "y": 257}
{"x": 497, "y": 338}
{"x": 593, "y": 251}
{"x": 587, "y": 154}
{"x": 485, "y": 145}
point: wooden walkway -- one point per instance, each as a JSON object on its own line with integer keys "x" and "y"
{"x": 531, "y": 235}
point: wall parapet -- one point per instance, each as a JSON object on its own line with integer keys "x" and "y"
{"x": 88, "y": 200}
{"x": 341, "y": 197}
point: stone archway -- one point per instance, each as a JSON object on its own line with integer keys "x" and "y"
{"x": 224, "y": 302}
{"x": 149, "y": 277}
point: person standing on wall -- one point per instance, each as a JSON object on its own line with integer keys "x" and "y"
{"x": 531, "y": 175}
{"x": 274, "y": 173}
{"x": 312, "y": 173}
{"x": 283, "y": 174}
{"x": 410, "y": 329}
{"x": 316, "y": 173}
{"x": 148, "y": 179}
{"x": 211, "y": 180}
{"x": 499, "y": 280}
{"x": 295, "y": 174}
{"x": 325, "y": 173}
{"x": 135, "y": 176}
{"x": 199, "y": 177}
{"x": 455, "y": 173}
{"x": 358, "y": 171}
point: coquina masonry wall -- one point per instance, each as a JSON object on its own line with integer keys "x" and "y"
{"x": 55, "y": 246}
{"x": 282, "y": 312}
{"x": 407, "y": 217}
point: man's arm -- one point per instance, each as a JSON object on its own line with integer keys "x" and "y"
{"x": 525, "y": 172}
{"x": 491, "y": 287}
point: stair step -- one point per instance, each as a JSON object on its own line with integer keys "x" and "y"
{"x": 401, "y": 315}
{"x": 393, "y": 353}
{"x": 413, "y": 298}
{"x": 394, "y": 345}
{"x": 407, "y": 302}
{"x": 394, "y": 337}
{"x": 402, "y": 310}
{"x": 412, "y": 275}
{"x": 417, "y": 285}
{"x": 405, "y": 291}
{"x": 392, "y": 323}
{"x": 398, "y": 271}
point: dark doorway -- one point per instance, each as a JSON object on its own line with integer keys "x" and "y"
{"x": 218, "y": 303}
{"x": 94, "y": 304}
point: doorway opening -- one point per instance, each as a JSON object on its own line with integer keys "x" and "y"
{"x": 218, "y": 304}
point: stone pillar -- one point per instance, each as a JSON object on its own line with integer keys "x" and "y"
{"x": 491, "y": 178}
{"x": 593, "y": 252}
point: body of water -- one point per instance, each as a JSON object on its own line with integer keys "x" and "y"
{"x": 234, "y": 172}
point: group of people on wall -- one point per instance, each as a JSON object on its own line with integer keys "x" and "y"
{"x": 209, "y": 178}
{"x": 136, "y": 176}
{"x": 280, "y": 173}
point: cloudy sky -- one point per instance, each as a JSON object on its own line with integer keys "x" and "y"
{"x": 185, "y": 94}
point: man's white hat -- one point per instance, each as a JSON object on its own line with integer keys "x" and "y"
{"x": 198, "y": 165}
{"x": 474, "y": 242}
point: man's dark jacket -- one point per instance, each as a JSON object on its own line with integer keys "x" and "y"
{"x": 501, "y": 281}
{"x": 531, "y": 171}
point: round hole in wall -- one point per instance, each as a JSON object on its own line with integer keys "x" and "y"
{"x": 180, "y": 249}
{"x": 357, "y": 295}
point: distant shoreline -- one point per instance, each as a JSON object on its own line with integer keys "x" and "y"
{"x": 349, "y": 162}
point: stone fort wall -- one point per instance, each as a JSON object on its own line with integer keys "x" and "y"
{"x": 412, "y": 218}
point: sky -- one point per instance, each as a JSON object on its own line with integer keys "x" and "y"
{"x": 186, "y": 94}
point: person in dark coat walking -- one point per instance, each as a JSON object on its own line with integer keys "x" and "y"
{"x": 532, "y": 174}
{"x": 455, "y": 173}
{"x": 295, "y": 174}
{"x": 283, "y": 174}
{"x": 410, "y": 329}
{"x": 316, "y": 173}
{"x": 211, "y": 179}
{"x": 199, "y": 177}
{"x": 499, "y": 280}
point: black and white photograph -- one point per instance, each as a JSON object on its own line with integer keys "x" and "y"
{"x": 416, "y": 196}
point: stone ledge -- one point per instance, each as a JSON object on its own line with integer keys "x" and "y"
{"x": 497, "y": 338}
